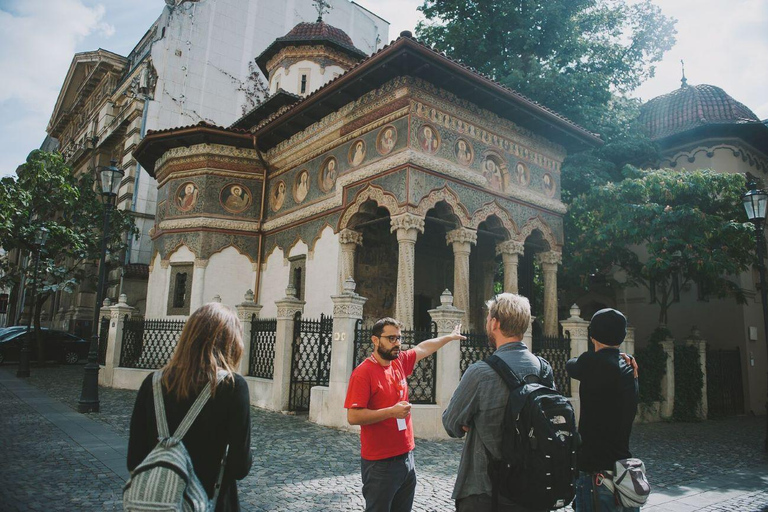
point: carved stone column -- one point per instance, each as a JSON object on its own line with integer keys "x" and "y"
{"x": 446, "y": 316}
{"x": 348, "y": 240}
{"x": 577, "y": 328}
{"x": 407, "y": 226}
{"x": 119, "y": 313}
{"x": 247, "y": 311}
{"x": 461, "y": 239}
{"x": 196, "y": 298}
{"x": 549, "y": 262}
{"x": 510, "y": 250}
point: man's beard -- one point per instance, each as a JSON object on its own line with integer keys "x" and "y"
{"x": 388, "y": 354}
{"x": 491, "y": 338}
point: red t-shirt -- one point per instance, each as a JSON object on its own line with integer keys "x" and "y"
{"x": 374, "y": 387}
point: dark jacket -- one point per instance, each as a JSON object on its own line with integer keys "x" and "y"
{"x": 225, "y": 419}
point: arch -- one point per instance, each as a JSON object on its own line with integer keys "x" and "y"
{"x": 371, "y": 192}
{"x": 176, "y": 247}
{"x": 235, "y": 247}
{"x": 537, "y": 223}
{"x": 318, "y": 236}
{"x": 493, "y": 208}
{"x": 448, "y": 196}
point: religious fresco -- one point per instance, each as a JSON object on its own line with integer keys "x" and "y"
{"x": 463, "y": 151}
{"x": 301, "y": 186}
{"x": 356, "y": 153}
{"x": 186, "y": 196}
{"x": 522, "y": 175}
{"x": 277, "y": 196}
{"x": 495, "y": 170}
{"x": 386, "y": 140}
{"x": 235, "y": 198}
{"x": 428, "y": 138}
{"x": 549, "y": 185}
{"x": 328, "y": 173}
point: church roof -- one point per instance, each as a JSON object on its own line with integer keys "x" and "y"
{"x": 275, "y": 102}
{"x": 315, "y": 33}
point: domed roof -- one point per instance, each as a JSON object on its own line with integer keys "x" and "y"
{"x": 692, "y": 106}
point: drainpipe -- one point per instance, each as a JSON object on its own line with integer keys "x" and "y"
{"x": 261, "y": 218}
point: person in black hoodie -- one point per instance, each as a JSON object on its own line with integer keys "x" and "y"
{"x": 211, "y": 341}
{"x": 608, "y": 392}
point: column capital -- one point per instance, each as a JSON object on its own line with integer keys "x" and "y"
{"x": 510, "y": 247}
{"x": 201, "y": 263}
{"x": 550, "y": 258}
{"x": 407, "y": 226}
{"x": 461, "y": 235}
{"x": 350, "y": 236}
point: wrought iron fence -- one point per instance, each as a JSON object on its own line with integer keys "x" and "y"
{"x": 261, "y": 362}
{"x": 474, "y": 348}
{"x": 149, "y": 344}
{"x": 423, "y": 380}
{"x": 103, "y": 335}
{"x": 725, "y": 396}
{"x": 310, "y": 359}
{"x": 556, "y": 350}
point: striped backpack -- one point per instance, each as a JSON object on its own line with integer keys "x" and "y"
{"x": 165, "y": 480}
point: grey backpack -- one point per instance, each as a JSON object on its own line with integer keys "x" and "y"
{"x": 165, "y": 480}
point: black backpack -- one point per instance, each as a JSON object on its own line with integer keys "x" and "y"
{"x": 539, "y": 444}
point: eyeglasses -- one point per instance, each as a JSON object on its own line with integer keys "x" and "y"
{"x": 393, "y": 338}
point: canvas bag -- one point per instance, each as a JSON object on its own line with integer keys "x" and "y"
{"x": 628, "y": 482}
{"x": 165, "y": 480}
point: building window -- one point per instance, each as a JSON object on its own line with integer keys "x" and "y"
{"x": 180, "y": 289}
{"x": 298, "y": 275}
{"x": 303, "y": 84}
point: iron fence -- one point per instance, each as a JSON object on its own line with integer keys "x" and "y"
{"x": 556, "y": 350}
{"x": 310, "y": 359}
{"x": 149, "y": 344}
{"x": 423, "y": 381}
{"x": 474, "y": 348}
{"x": 261, "y": 361}
{"x": 103, "y": 336}
{"x": 725, "y": 395}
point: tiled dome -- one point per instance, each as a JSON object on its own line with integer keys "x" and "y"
{"x": 318, "y": 30}
{"x": 691, "y": 107}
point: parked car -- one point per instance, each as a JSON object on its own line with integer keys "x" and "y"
{"x": 59, "y": 345}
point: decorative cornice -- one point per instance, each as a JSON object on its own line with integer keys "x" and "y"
{"x": 350, "y": 237}
{"x": 510, "y": 247}
{"x": 550, "y": 258}
{"x": 407, "y": 222}
{"x": 289, "y": 55}
{"x": 223, "y": 153}
{"x": 208, "y": 222}
{"x": 461, "y": 236}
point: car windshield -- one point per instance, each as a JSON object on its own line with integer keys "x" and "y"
{"x": 11, "y": 332}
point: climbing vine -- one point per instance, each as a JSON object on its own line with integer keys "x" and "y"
{"x": 689, "y": 380}
{"x": 652, "y": 361}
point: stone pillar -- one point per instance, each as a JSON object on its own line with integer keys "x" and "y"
{"x": 105, "y": 312}
{"x": 461, "y": 239}
{"x": 446, "y": 316}
{"x": 326, "y": 405}
{"x": 549, "y": 262}
{"x": 196, "y": 298}
{"x": 510, "y": 251}
{"x": 668, "y": 381}
{"x": 246, "y": 312}
{"x": 576, "y": 327}
{"x": 528, "y": 335}
{"x": 695, "y": 340}
{"x": 348, "y": 240}
{"x": 287, "y": 308}
{"x": 407, "y": 226}
{"x": 118, "y": 314}
{"x": 628, "y": 347}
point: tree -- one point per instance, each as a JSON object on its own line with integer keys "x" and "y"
{"x": 662, "y": 228}
{"x": 47, "y": 194}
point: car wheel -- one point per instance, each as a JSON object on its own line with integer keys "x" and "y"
{"x": 71, "y": 357}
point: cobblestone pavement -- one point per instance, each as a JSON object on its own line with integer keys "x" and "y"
{"x": 299, "y": 466}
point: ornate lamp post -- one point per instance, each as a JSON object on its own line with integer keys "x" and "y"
{"x": 41, "y": 235}
{"x": 755, "y": 202}
{"x": 109, "y": 178}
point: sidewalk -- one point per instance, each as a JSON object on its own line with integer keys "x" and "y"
{"x": 53, "y": 458}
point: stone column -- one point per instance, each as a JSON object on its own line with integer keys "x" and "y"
{"x": 628, "y": 347}
{"x": 246, "y": 312}
{"x": 668, "y": 381}
{"x": 118, "y": 314}
{"x": 326, "y": 405}
{"x": 287, "y": 308}
{"x": 446, "y": 316}
{"x": 407, "y": 226}
{"x": 695, "y": 340}
{"x": 510, "y": 251}
{"x": 348, "y": 241}
{"x": 462, "y": 240}
{"x": 105, "y": 312}
{"x": 196, "y": 298}
{"x": 577, "y": 328}
{"x": 549, "y": 262}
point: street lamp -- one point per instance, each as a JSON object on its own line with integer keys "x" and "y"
{"x": 109, "y": 179}
{"x": 41, "y": 235}
{"x": 755, "y": 202}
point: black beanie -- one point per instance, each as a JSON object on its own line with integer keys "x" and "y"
{"x": 609, "y": 327}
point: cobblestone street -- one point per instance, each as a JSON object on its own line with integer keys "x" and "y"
{"x": 299, "y": 466}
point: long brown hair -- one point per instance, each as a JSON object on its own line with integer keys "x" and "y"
{"x": 211, "y": 340}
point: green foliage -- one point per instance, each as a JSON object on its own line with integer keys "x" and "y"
{"x": 689, "y": 225}
{"x": 689, "y": 380}
{"x": 652, "y": 365}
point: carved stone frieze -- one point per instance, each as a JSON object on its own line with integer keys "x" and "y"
{"x": 349, "y": 309}
{"x": 292, "y": 54}
{"x": 209, "y": 222}
{"x": 222, "y": 153}
{"x": 307, "y": 211}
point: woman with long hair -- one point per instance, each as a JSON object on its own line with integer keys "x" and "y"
{"x": 210, "y": 343}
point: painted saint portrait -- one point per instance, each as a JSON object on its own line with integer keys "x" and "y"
{"x": 429, "y": 140}
{"x": 277, "y": 196}
{"x": 328, "y": 175}
{"x": 463, "y": 151}
{"x": 186, "y": 196}
{"x": 522, "y": 175}
{"x": 386, "y": 140}
{"x": 492, "y": 172}
{"x": 356, "y": 153}
{"x": 235, "y": 198}
{"x": 301, "y": 186}
{"x": 549, "y": 185}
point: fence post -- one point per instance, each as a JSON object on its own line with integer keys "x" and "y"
{"x": 528, "y": 336}
{"x": 326, "y": 405}
{"x": 668, "y": 381}
{"x": 118, "y": 312}
{"x": 287, "y": 307}
{"x": 446, "y": 316}
{"x": 695, "y": 340}
{"x": 246, "y": 311}
{"x": 105, "y": 311}
{"x": 576, "y": 327}
{"x": 629, "y": 341}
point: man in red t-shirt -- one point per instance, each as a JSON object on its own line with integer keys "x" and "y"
{"x": 377, "y": 400}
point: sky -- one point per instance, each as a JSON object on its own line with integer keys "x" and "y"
{"x": 723, "y": 43}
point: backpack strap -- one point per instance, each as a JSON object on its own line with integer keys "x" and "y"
{"x": 157, "y": 392}
{"x": 507, "y": 374}
{"x": 200, "y": 402}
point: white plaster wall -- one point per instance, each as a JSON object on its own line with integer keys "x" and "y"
{"x": 290, "y": 80}
{"x": 274, "y": 281}
{"x": 322, "y": 274}
{"x": 228, "y": 274}
{"x": 157, "y": 292}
